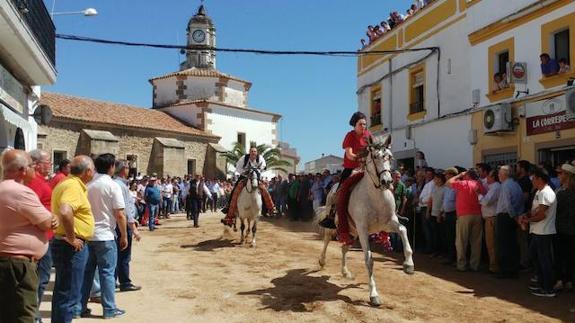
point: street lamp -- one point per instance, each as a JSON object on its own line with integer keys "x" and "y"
{"x": 88, "y": 12}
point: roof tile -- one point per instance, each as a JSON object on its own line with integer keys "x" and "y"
{"x": 89, "y": 110}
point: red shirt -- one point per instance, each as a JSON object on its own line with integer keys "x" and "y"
{"x": 466, "y": 197}
{"x": 42, "y": 188}
{"x": 57, "y": 179}
{"x": 357, "y": 143}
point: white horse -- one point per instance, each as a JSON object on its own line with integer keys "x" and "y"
{"x": 372, "y": 209}
{"x": 250, "y": 206}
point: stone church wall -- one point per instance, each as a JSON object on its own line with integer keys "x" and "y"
{"x": 151, "y": 155}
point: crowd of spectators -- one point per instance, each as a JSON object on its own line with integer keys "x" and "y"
{"x": 517, "y": 217}
{"x": 395, "y": 19}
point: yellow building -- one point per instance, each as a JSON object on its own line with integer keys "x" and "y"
{"x": 435, "y": 89}
{"x": 540, "y": 109}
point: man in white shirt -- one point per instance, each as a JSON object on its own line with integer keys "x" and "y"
{"x": 541, "y": 221}
{"x": 167, "y": 191}
{"x": 424, "y": 204}
{"x": 253, "y": 160}
{"x": 108, "y": 206}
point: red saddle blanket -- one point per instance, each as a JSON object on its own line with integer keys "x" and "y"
{"x": 344, "y": 219}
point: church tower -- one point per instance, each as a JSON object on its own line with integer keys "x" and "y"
{"x": 201, "y": 37}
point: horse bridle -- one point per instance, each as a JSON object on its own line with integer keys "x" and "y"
{"x": 377, "y": 181}
{"x": 248, "y": 178}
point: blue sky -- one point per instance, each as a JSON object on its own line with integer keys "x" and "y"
{"x": 315, "y": 95}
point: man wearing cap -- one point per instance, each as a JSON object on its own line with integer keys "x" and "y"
{"x": 153, "y": 199}
{"x": 565, "y": 225}
{"x": 23, "y": 225}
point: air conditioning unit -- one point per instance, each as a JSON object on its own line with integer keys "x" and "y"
{"x": 570, "y": 103}
{"x": 498, "y": 119}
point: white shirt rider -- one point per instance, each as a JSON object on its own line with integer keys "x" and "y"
{"x": 254, "y": 161}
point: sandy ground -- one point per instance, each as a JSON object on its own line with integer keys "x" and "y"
{"x": 192, "y": 275}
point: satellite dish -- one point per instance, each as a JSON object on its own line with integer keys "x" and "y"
{"x": 43, "y": 114}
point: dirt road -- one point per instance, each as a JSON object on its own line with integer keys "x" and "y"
{"x": 191, "y": 275}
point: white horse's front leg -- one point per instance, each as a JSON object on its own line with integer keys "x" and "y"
{"x": 408, "y": 266}
{"x": 242, "y": 228}
{"x": 344, "y": 271}
{"x": 327, "y": 235}
{"x": 254, "y": 229}
{"x": 374, "y": 299}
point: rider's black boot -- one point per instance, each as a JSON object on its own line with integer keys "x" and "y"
{"x": 329, "y": 222}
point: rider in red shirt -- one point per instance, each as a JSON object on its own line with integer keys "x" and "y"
{"x": 354, "y": 142}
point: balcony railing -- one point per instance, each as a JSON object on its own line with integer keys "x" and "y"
{"x": 40, "y": 23}
{"x": 375, "y": 120}
{"x": 416, "y": 107}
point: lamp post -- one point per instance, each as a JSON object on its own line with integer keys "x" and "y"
{"x": 88, "y": 12}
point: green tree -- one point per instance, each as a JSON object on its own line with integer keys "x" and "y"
{"x": 271, "y": 155}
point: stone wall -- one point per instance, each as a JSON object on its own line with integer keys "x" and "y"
{"x": 151, "y": 155}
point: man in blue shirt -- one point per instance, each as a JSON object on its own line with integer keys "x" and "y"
{"x": 549, "y": 67}
{"x": 509, "y": 207}
{"x": 152, "y": 198}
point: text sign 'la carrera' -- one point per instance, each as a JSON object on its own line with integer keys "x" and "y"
{"x": 548, "y": 116}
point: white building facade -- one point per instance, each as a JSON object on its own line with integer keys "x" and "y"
{"x": 210, "y": 100}
{"x": 435, "y": 99}
{"x": 27, "y": 60}
{"x": 419, "y": 96}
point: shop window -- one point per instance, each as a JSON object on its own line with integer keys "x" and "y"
{"x": 500, "y": 56}
{"x": 375, "y": 106}
{"x": 417, "y": 92}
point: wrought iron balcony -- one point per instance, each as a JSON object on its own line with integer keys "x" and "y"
{"x": 38, "y": 19}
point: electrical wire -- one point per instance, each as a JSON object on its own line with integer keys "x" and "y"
{"x": 240, "y": 50}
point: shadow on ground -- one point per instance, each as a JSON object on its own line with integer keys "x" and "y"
{"x": 211, "y": 245}
{"x": 482, "y": 284}
{"x": 298, "y": 290}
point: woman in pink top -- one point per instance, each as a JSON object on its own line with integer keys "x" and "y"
{"x": 469, "y": 229}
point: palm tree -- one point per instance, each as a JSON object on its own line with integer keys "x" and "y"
{"x": 272, "y": 155}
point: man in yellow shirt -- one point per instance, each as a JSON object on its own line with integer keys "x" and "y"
{"x": 70, "y": 203}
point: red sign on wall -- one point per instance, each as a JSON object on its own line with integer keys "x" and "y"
{"x": 549, "y": 123}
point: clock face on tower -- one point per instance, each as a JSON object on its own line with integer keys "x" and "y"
{"x": 198, "y": 36}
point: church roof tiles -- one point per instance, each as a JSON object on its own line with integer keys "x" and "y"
{"x": 200, "y": 72}
{"x": 93, "y": 111}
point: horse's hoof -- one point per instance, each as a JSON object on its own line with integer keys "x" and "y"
{"x": 347, "y": 275}
{"x": 374, "y": 301}
{"x": 410, "y": 270}
{"x": 321, "y": 263}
